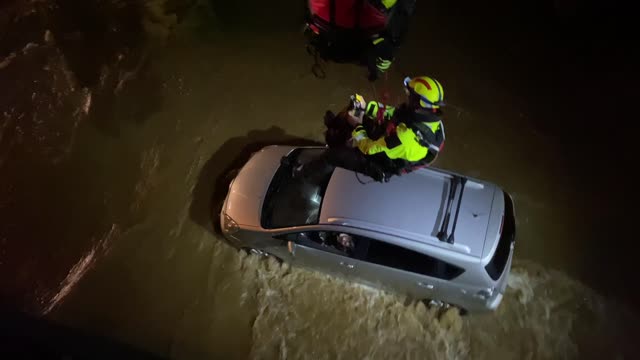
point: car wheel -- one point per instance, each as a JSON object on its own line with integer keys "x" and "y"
{"x": 263, "y": 254}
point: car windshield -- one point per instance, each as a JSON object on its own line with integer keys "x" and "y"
{"x": 496, "y": 266}
{"x": 292, "y": 201}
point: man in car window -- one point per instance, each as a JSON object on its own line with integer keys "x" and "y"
{"x": 345, "y": 243}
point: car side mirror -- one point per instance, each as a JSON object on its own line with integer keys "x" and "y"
{"x": 291, "y": 246}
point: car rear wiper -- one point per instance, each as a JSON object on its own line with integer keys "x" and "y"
{"x": 442, "y": 234}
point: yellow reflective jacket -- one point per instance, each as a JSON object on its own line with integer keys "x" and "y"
{"x": 407, "y": 148}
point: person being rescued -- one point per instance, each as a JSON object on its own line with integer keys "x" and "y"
{"x": 365, "y": 31}
{"x": 385, "y": 141}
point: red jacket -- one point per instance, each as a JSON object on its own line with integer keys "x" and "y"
{"x": 349, "y": 14}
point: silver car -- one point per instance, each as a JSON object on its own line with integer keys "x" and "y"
{"x": 432, "y": 235}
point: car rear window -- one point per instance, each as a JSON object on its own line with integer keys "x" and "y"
{"x": 394, "y": 256}
{"x": 496, "y": 266}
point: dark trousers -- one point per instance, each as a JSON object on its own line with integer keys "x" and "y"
{"x": 383, "y": 50}
{"x": 352, "y": 46}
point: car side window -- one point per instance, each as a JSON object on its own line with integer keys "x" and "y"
{"x": 331, "y": 241}
{"x": 385, "y": 254}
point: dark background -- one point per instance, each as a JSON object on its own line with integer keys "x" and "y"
{"x": 569, "y": 61}
{"x": 572, "y": 63}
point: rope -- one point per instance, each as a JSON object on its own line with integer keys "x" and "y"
{"x": 385, "y": 90}
{"x": 316, "y": 68}
{"x": 460, "y": 111}
{"x": 375, "y": 92}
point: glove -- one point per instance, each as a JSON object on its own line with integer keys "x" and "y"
{"x": 382, "y": 64}
{"x": 358, "y": 133}
{"x": 356, "y": 108}
{"x": 357, "y": 103}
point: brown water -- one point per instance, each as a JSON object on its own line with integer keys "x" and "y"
{"x": 109, "y": 159}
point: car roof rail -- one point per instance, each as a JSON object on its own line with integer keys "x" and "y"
{"x": 451, "y": 238}
{"x": 455, "y": 182}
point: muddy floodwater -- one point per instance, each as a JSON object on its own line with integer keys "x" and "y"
{"x": 119, "y": 121}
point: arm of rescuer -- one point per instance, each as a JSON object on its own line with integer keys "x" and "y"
{"x": 399, "y": 145}
{"x": 366, "y": 145}
{"x": 358, "y": 109}
{"x": 374, "y": 116}
{"x": 369, "y": 135}
{"x": 355, "y": 110}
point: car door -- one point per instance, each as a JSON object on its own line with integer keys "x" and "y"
{"x": 307, "y": 249}
{"x": 396, "y": 269}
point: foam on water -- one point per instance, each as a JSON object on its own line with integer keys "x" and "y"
{"x": 308, "y": 315}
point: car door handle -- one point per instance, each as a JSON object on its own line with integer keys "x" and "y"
{"x": 428, "y": 286}
{"x": 349, "y": 266}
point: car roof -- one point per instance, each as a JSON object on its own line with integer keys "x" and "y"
{"x": 411, "y": 206}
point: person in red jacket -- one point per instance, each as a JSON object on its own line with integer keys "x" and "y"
{"x": 364, "y": 31}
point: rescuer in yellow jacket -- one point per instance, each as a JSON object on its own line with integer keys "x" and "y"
{"x": 414, "y": 132}
{"x": 412, "y": 135}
